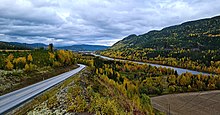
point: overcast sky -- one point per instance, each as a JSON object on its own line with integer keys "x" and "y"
{"x": 100, "y": 22}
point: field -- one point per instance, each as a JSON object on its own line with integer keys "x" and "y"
{"x": 198, "y": 103}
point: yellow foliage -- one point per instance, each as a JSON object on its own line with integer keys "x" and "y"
{"x": 9, "y": 65}
{"x": 27, "y": 67}
{"x": 30, "y": 58}
{"x": 56, "y": 64}
{"x": 52, "y": 56}
{"x": 10, "y": 57}
{"x": 20, "y": 60}
{"x": 65, "y": 57}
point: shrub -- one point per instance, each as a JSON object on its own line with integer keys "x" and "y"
{"x": 79, "y": 105}
{"x": 27, "y": 68}
{"x": 171, "y": 89}
{"x": 56, "y": 64}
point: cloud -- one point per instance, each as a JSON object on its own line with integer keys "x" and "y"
{"x": 101, "y": 22}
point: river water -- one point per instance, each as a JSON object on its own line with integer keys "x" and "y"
{"x": 179, "y": 70}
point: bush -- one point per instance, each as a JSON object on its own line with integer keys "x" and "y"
{"x": 27, "y": 68}
{"x": 79, "y": 105}
{"x": 56, "y": 64}
{"x": 171, "y": 89}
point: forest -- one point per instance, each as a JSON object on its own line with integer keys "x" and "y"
{"x": 124, "y": 87}
{"x": 125, "y": 82}
{"x": 193, "y": 45}
{"x": 203, "y": 61}
{"x": 22, "y": 68}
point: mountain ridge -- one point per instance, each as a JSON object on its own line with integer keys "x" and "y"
{"x": 185, "y": 35}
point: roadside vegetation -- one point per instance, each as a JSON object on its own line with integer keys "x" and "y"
{"x": 22, "y": 68}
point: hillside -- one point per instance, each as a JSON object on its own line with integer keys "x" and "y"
{"x": 20, "y": 46}
{"x": 200, "y": 34}
{"x": 84, "y": 47}
{"x": 9, "y": 46}
{"x": 34, "y": 45}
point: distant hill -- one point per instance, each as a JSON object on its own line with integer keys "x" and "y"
{"x": 199, "y": 34}
{"x": 9, "y": 46}
{"x": 34, "y": 45}
{"x": 20, "y": 46}
{"x": 84, "y": 47}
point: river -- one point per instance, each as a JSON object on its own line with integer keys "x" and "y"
{"x": 179, "y": 70}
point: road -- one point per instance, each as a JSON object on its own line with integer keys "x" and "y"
{"x": 179, "y": 70}
{"x": 13, "y": 99}
{"x": 195, "y": 103}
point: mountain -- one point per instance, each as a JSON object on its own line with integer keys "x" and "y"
{"x": 9, "y": 46}
{"x": 84, "y": 47}
{"x": 34, "y": 45}
{"x": 200, "y": 34}
{"x": 20, "y": 46}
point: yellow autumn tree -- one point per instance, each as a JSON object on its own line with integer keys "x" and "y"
{"x": 30, "y": 58}
{"x": 52, "y": 56}
{"x": 27, "y": 67}
{"x": 9, "y": 65}
{"x": 20, "y": 62}
{"x": 65, "y": 57}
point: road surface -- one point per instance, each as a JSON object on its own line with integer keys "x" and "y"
{"x": 13, "y": 99}
{"x": 195, "y": 103}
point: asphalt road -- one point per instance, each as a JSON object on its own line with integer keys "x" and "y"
{"x": 13, "y": 99}
{"x": 194, "y": 103}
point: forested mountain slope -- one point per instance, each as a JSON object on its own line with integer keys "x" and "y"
{"x": 9, "y": 46}
{"x": 200, "y": 34}
{"x": 20, "y": 46}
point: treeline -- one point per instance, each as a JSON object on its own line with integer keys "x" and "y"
{"x": 22, "y": 68}
{"x": 205, "y": 61}
{"x": 29, "y": 60}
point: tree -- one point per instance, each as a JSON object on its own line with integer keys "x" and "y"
{"x": 10, "y": 57}
{"x": 20, "y": 62}
{"x": 30, "y": 59}
{"x": 9, "y": 65}
{"x": 50, "y": 47}
{"x": 27, "y": 67}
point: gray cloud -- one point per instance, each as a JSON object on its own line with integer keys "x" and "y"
{"x": 102, "y": 22}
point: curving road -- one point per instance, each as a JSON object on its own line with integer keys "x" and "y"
{"x": 13, "y": 99}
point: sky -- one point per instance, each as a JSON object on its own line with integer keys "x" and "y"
{"x": 96, "y": 22}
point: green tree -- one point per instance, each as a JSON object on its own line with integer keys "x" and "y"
{"x": 50, "y": 47}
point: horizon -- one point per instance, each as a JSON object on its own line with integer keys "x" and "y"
{"x": 73, "y": 23}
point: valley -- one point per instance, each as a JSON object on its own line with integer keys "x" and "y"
{"x": 102, "y": 57}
